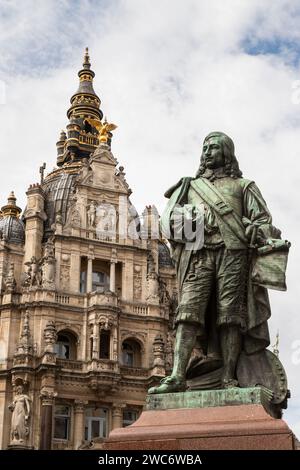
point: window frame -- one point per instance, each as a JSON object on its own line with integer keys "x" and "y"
{"x": 66, "y": 417}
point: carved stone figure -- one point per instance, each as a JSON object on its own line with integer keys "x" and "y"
{"x": 20, "y": 408}
{"x": 10, "y": 282}
{"x": 152, "y": 287}
{"x": 137, "y": 282}
{"x": 91, "y": 214}
{"x": 106, "y": 222}
{"x": 164, "y": 296}
{"x": 75, "y": 217}
{"x": 85, "y": 173}
{"x": 26, "y": 275}
{"x": 223, "y": 281}
{"x": 48, "y": 266}
{"x": 33, "y": 275}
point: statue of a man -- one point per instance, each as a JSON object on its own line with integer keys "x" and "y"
{"x": 20, "y": 416}
{"x": 219, "y": 304}
{"x": 91, "y": 213}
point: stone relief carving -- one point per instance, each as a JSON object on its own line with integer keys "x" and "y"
{"x": 106, "y": 321}
{"x": 25, "y": 345}
{"x": 169, "y": 350}
{"x": 9, "y": 281}
{"x": 50, "y": 336}
{"x": 158, "y": 352}
{"x": 86, "y": 174}
{"x": 64, "y": 277}
{"x": 47, "y": 264}
{"x": 137, "y": 282}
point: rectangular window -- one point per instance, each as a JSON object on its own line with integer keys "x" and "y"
{"x": 83, "y": 274}
{"x": 129, "y": 417}
{"x": 83, "y": 282}
{"x": 104, "y": 344}
{"x": 100, "y": 281}
{"x": 61, "y": 422}
{"x": 95, "y": 426}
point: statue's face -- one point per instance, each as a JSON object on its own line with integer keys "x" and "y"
{"x": 213, "y": 153}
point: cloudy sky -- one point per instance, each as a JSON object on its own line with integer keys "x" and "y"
{"x": 168, "y": 72}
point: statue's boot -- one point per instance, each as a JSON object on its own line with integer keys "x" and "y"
{"x": 184, "y": 344}
{"x": 230, "y": 336}
{"x": 168, "y": 385}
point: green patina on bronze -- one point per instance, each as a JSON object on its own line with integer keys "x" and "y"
{"x": 209, "y": 398}
{"x": 223, "y": 303}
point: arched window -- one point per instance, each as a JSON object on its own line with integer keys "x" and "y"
{"x": 131, "y": 353}
{"x": 65, "y": 346}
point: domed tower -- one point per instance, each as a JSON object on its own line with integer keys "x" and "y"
{"x": 84, "y": 117}
{"x": 12, "y": 237}
{"x": 11, "y": 227}
{"x": 84, "y": 132}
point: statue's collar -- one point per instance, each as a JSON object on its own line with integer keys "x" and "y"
{"x": 212, "y": 174}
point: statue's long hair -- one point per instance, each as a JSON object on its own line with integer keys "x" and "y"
{"x": 231, "y": 164}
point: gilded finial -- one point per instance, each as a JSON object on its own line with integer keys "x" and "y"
{"x": 276, "y": 345}
{"x": 86, "y": 59}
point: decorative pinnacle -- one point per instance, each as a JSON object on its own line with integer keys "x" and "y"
{"x": 11, "y": 199}
{"x": 86, "y": 59}
{"x": 11, "y": 208}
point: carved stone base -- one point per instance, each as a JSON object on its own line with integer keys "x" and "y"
{"x": 19, "y": 447}
{"x": 220, "y": 419}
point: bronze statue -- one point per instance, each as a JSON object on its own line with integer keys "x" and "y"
{"x": 223, "y": 301}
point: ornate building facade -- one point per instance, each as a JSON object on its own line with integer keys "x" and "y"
{"x": 87, "y": 296}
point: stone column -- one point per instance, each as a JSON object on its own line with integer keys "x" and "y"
{"x": 75, "y": 272}
{"x": 89, "y": 283}
{"x": 47, "y": 400}
{"x": 79, "y": 422}
{"x": 127, "y": 278}
{"x": 95, "y": 354}
{"x": 114, "y": 344}
{"x": 112, "y": 279}
{"x": 117, "y": 415}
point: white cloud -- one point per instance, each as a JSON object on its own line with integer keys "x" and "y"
{"x": 168, "y": 72}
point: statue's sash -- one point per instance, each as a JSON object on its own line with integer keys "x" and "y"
{"x": 211, "y": 196}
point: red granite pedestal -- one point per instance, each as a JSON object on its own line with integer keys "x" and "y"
{"x": 242, "y": 427}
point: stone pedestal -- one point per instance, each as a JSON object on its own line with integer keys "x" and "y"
{"x": 234, "y": 419}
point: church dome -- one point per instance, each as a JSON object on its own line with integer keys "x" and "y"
{"x": 58, "y": 189}
{"x": 11, "y": 227}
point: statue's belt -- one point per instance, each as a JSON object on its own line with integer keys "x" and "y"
{"x": 211, "y": 196}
